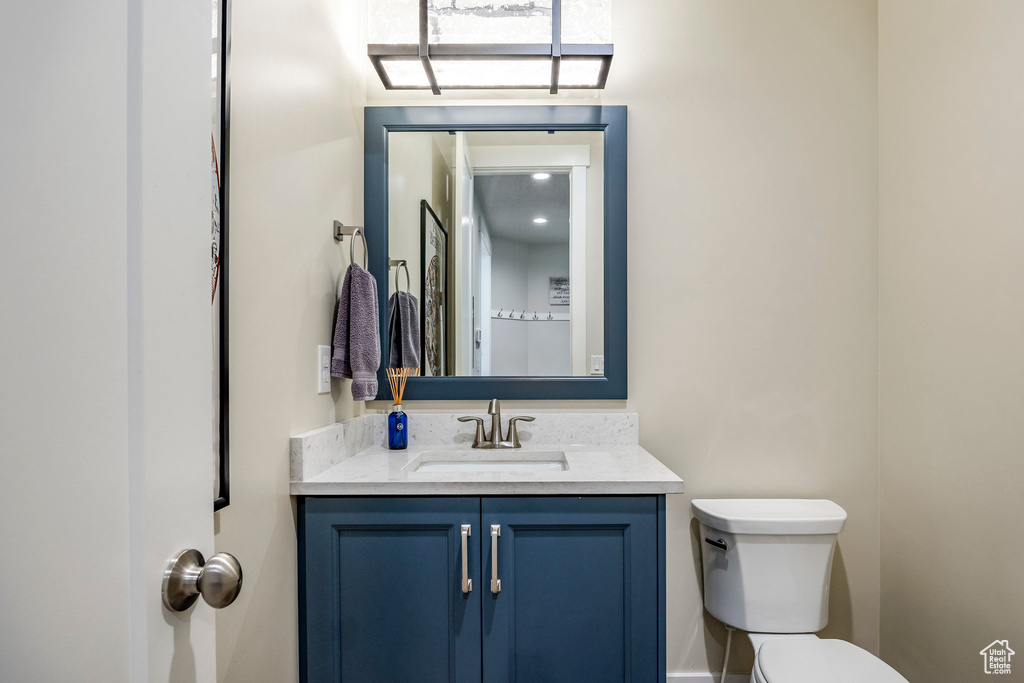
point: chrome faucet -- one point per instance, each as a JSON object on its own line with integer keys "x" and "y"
{"x": 481, "y": 440}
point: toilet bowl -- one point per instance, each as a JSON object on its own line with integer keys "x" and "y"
{"x": 767, "y": 565}
{"x": 805, "y": 658}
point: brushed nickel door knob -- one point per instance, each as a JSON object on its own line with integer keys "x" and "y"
{"x": 187, "y": 577}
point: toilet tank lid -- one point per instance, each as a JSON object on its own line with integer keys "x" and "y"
{"x": 793, "y": 516}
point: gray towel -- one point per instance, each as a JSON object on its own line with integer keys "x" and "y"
{"x": 357, "y": 334}
{"x": 403, "y": 331}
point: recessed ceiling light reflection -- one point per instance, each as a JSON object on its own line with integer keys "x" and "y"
{"x": 540, "y": 220}
{"x": 541, "y": 176}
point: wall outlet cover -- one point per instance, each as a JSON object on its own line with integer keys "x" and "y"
{"x": 323, "y": 369}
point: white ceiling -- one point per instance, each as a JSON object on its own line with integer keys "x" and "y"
{"x": 510, "y": 201}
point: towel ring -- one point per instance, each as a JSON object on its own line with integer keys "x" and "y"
{"x": 408, "y": 279}
{"x": 341, "y": 231}
{"x": 352, "y": 247}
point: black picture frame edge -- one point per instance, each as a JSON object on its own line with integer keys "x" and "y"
{"x": 425, "y": 210}
{"x": 612, "y": 120}
{"x": 223, "y": 498}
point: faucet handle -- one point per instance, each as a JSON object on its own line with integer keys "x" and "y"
{"x": 480, "y": 437}
{"x": 513, "y": 435}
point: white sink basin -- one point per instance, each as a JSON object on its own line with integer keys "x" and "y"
{"x": 489, "y": 461}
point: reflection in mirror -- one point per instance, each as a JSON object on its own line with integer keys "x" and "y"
{"x": 434, "y": 292}
{"x": 503, "y": 236}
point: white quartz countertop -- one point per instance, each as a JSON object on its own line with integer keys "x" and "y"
{"x": 614, "y": 469}
{"x": 601, "y": 452}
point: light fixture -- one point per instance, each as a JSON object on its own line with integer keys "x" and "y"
{"x": 541, "y": 176}
{"x": 514, "y": 44}
{"x": 539, "y": 220}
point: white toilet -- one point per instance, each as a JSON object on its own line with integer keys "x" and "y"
{"x": 767, "y": 564}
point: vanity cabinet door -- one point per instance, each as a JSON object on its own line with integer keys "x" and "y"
{"x": 580, "y": 590}
{"x": 381, "y": 590}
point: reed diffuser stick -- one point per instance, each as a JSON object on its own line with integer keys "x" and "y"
{"x": 397, "y": 378}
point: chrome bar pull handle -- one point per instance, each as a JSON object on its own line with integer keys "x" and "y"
{"x": 467, "y": 583}
{"x": 495, "y": 581}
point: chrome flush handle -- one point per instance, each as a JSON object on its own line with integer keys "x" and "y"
{"x": 495, "y": 581}
{"x": 720, "y": 544}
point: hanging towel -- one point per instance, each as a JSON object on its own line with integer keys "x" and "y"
{"x": 357, "y": 334}
{"x": 403, "y": 331}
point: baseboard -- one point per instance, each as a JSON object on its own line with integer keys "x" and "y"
{"x": 707, "y": 678}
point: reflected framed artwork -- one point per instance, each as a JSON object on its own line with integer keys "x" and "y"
{"x": 434, "y": 292}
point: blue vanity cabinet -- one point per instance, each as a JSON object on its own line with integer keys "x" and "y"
{"x": 579, "y": 595}
{"x": 380, "y": 590}
{"x": 582, "y": 589}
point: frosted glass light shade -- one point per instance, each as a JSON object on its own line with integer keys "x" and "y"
{"x": 406, "y": 73}
{"x": 492, "y": 73}
{"x": 579, "y": 73}
{"x": 470, "y": 44}
{"x": 394, "y": 22}
{"x": 586, "y": 21}
{"x": 489, "y": 22}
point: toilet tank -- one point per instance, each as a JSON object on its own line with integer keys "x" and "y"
{"x": 767, "y": 562}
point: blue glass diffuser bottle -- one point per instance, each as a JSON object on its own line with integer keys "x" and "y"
{"x": 398, "y": 425}
{"x": 398, "y": 433}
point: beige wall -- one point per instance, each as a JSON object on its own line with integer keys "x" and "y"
{"x": 413, "y": 181}
{"x": 298, "y": 88}
{"x": 443, "y": 184}
{"x": 753, "y": 345}
{"x": 952, "y": 283}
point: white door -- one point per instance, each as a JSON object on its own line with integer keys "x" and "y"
{"x": 105, "y": 407}
{"x": 484, "y": 305}
{"x": 477, "y": 299}
{"x": 578, "y": 271}
{"x": 463, "y": 238}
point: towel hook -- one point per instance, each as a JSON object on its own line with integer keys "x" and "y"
{"x": 341, "y": 231}
{"x": 408, "y": 279}
{"x": 499, "y": 311}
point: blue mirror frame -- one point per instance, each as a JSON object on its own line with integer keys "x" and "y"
{"x": 379, "y": 121}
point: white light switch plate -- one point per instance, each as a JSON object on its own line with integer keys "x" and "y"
{"x": 323, "y": 369}
{"x": 597, "y": 365}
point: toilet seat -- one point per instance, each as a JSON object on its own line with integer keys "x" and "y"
{"x": 810, "y": 660}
